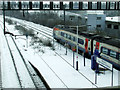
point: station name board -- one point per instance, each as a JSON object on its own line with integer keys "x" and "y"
{"x": 104, "y": 63}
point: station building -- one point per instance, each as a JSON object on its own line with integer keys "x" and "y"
{"x": 99, "y": 21}
{"x": 73, "y": 17}
{"x": 96, "y": 20}
{"x": 113, "y": 26}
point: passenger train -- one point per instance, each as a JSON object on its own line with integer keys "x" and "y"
{"x": 108, "y": 48}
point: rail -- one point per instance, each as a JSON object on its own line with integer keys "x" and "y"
{"x": 17, "y": 68}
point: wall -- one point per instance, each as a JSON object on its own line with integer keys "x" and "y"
{"x": 112, "y": 31}
{"x": 96, "y": 22}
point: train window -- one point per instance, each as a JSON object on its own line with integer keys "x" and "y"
{"x": 74, "y": 39}
{"x": 62, "y": 34}
{"x": 119, "y": 56}
{"x": 113, "y": 54}
{"x": 69, "y": 37}
{"x": 80, "y": 41}
{"x": 104, "y": 50}
{"x": 66, "y": 35}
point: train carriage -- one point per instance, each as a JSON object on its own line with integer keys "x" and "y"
{"x": 66, "y": 35}
{"x": 109, "y": 50}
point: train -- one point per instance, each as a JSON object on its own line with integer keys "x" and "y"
{"x": 86, "y": 42}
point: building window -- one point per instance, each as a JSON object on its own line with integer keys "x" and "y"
{"x": 109, "y": 26}
{"x": 71, "y": 17}
{"x": 98, "y": 26}
{"x": 98, "y": 18}
{"x": 115, "y": 26}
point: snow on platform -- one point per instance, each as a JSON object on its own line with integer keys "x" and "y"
{"x": 8, "y": 74}
{"x": 56, "y": 72}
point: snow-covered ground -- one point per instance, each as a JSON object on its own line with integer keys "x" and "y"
{"x": 57, "y": 72}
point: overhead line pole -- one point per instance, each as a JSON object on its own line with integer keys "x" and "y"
{"x": 77, "y": 39}
{"x": 4, "y": 17}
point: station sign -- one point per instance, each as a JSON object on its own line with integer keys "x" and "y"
{"x": 104, "y": 63}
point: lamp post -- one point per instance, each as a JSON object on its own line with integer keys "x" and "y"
{"x": 64, "y": 13}
{"x": 77, "y": 40}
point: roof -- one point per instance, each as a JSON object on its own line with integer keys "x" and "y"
{"x": 69, "y": 13}
{"x": 108, "y": 40}
{"x": 95, "y": 12}
{"x": 113, "y": 19}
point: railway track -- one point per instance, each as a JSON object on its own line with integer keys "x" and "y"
{"x": 25, "y": 76}
{"x": 48, "y": 35}
{"x": 42, "y": 30}
{"x": 29, "y": 78}
{"x": 20, "y": 65}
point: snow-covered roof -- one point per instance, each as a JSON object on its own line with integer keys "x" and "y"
{"x": 113, "y": 19}
{"x": 69, "y": 13}
{"x": 95, "y": 12}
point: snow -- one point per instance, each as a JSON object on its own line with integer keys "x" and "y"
{"x": 95, "y": 12}
{"x": 6, "y": 65}
{"x": 21, "y": 68}
{"x": 57, "y": 72}
{"x": 113, "y": 19}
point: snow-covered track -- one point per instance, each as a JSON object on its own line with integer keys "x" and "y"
{"x": 40, "y": 30}
{"x": 24, "y": 76}
{"x": 45, "y": 31}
